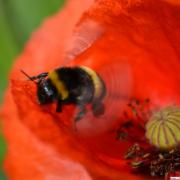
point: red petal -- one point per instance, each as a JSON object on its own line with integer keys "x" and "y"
{"x": 134, "y": 46}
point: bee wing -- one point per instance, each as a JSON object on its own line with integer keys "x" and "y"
{"x": 83, "y": 37}
{"x": 118, "y": 81}
{"x": 116, "y": 74}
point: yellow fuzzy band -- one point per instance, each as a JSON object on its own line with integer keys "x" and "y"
{"x": 96, "y": 80}
{"x": 53, "y": 76}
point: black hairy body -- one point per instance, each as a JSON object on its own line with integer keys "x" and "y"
{"x": 71, "y": 85}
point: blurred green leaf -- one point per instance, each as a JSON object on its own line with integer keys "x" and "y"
{"x": 8, "y": 48}
{"x": 2, "y": 148}
{"x": 2, "y": 152}
{"x": 2, "y": 176}
{"x": 26, "y": 15}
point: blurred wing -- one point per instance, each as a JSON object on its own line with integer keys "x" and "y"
{"x": 116, "y": 75}
{"x": 84, "y": 36}
{"x": 118, "y": 80}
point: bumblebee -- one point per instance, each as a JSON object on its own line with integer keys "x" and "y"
{"x": 71, "y": 85}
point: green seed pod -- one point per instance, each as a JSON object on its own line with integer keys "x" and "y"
{"x": 163, "y": 128}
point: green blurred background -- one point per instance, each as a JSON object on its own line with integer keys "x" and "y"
{"x": 18, "y": 18}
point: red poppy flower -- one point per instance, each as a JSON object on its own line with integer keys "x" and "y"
{"x": 134, "y": 46}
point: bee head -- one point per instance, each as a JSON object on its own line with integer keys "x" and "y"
{"x": 46, "y": 92}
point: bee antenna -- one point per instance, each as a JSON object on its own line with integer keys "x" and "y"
{"x": 29, "y": 77}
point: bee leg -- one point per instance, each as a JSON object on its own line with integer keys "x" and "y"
{"x": 59, "y": 106}
{"x": 39, "y": 77}
{"x": 79, "y": 116}
{"x": 98, "y": 109}
{"x": 81, "y": 113}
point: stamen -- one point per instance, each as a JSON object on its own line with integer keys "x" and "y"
{"x": 157, "y": 163}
